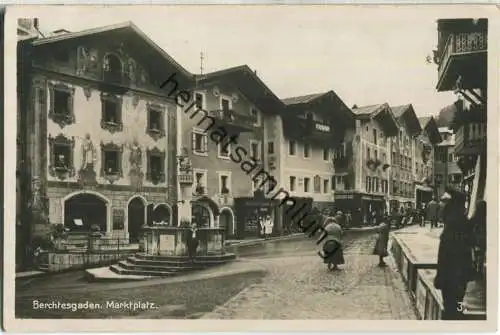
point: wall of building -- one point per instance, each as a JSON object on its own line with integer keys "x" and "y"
{"x": 446, "y": 170}
{"x": 373, "y": 147}
{"x": 403, "y": 166}
{"x": 209, "y": 162}
{"x": 310, "y": 165}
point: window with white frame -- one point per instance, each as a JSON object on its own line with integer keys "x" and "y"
{"x": 293, "y": 181}
{"x": 224, "y": 182}
{"x": 307, "y": 185}
{"x": 199, "y": 99}
{"x": 223, "y": 150}
{"x": 292, "y": 147}
{"x": 200, "y": 181}
{"x": 326, "y": 154}
{"x": 326, "y": 186}
{"x": 255, "y": 116}
{"x": 199, "y": 143}
{"x": 307, "y": 150}
{"x": 255, "y": 150}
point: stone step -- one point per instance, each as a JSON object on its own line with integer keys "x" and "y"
{"x": 147, "y": 267}
{"x": 199, "y": 262}
{"x": 120, "y": 270}
{"x": 183, "y": 259}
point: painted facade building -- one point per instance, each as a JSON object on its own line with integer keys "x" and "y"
{"x": 447, "y": 172}
{"x": 98, "y": 133}
{"x": 425, "y": 149}
{"x": 403, "y": 156}
{"x": 314, "y": 129}
{"x": 370, "y": 161}
{"x": 226, "y": 136}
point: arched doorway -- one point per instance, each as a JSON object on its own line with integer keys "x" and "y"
{"x": 202, "y": 215}
{"x": 204, "y": 211}
{"x": 136, "y": 216}
{"x": 83, "y": 210}
{"x": 226, "y": 221}
{"x": 162, "y": 214}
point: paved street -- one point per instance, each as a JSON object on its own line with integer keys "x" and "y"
{"x": 300, "y": 287}
{"x": 286, "y": 280}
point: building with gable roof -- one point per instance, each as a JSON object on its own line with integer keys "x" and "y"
{"x": 97, "y": 135}
{"x": 369, "y": 164}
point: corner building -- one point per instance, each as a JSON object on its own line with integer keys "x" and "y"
{"x": 98, "y": 134}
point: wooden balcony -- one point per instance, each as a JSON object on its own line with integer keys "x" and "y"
{"x": 465, "y": 55}
{"x": 470, "y": 139}
{"x": 232, "y": 121}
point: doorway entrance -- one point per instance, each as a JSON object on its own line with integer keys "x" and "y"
{"x": 226, "y": 221}
{"x": 136, "y": 218}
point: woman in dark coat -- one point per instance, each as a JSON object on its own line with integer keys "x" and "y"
{"x": 380, "y": 248}
{"x": 454, "y": 268}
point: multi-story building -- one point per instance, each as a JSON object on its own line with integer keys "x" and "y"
{"x": 370, "y": 162}
{"x": 98, "y": 134}
{"x": 241, "y": 107}
{"x": 461, "y": 56}
{"x": 447, "y": 171}
{"x": 425, "y": 147}
{"x": 403, "y": 169}
{"x": 313, "y": 130}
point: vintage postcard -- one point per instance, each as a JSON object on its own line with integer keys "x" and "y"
{"x": 251, "y": 168}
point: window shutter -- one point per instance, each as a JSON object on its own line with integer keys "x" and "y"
{"x": 193, "y": 141}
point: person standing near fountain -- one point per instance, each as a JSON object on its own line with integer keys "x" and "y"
{"x": 192, "y": 242}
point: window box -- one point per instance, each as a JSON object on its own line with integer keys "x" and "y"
{"x": 111, "y": 161}
{"x": 61, "y": 157}
{"x": 156, "y": 121}
{"x": 111, "y": 118}
{"x": 156, "y": 166}
{"x": 61, "y": 109}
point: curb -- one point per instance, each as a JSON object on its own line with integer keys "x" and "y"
{"x": 260, "y": 241}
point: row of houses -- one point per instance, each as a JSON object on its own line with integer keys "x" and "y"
{"x": 107, "y": 120}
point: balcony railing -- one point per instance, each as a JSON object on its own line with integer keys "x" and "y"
{"x": 462, "y": 43}
{"x": 470, "y": 138}
{"x": 230, "y": 117}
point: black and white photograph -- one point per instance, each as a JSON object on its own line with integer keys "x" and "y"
{"x": 181, "y": 164}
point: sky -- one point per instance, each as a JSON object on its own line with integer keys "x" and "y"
{"x": 367, "y": 56}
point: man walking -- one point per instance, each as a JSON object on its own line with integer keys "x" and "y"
{"x": 433, "y": 212}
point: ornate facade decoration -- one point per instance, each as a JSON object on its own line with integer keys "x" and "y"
{"x": 61, "y": 157}
{"x": 87, "y": 91}
{"x": 156, "y": 166}
{"x": 87, "y": 174}
{"x": 87, "y": 61}
{"x": 61, "y": 104}
{"x": 135, "y": 159}
{"x": 111, "y": 161}
{"x": 216, "y": 91}
{"x": 135, "y": 100}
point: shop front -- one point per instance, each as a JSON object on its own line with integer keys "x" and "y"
{"x": 423, "y": 195}
{"x": 252, "y": 212}
{"x": 361, "y": 206}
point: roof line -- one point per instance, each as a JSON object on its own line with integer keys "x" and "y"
{"x": 121, "y": 25}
